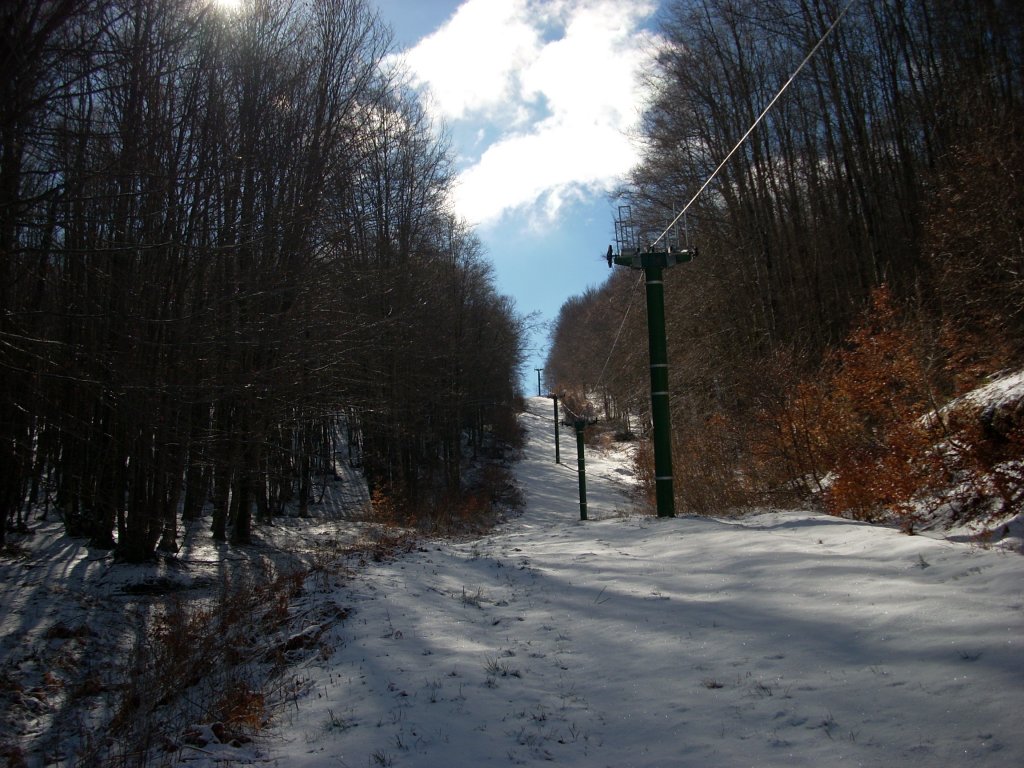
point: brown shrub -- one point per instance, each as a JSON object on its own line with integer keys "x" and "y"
{"x": 875, "y": 439}
{"x": 855, "y": 431}
{"x": 193, "y": 665}
{"x": 785, "y": 442}
{"x": 241, "y": 709}
{"x": 643, "y": 469}
{"x": 706, "y": 466}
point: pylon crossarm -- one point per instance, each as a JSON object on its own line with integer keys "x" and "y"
{"x": 635, "y": 259}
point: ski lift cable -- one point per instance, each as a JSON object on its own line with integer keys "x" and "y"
{"x": 754, "y": 125}
{"x": 632, "y": 296}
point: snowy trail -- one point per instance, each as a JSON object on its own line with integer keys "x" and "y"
{"x": 782, "y": 639}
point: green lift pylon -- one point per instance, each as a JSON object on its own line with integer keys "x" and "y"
{"x": 654, "y": 263}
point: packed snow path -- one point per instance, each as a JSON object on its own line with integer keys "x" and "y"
{"x": 783, "y": 639}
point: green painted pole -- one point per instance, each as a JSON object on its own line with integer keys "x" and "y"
{"x": 654, "y": 264}
{"x": 582, "y": 464}
{"x": 660, "y": 412}
{"x": 558, "y": 456}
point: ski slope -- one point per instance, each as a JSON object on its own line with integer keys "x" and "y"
{"x": 782, "y": 639}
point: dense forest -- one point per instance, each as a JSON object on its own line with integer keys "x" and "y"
{"x": 860, "y": 257}
{"x": 226, "y": 244}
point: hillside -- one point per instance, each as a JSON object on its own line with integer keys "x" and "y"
{"x": 782, "y": 638}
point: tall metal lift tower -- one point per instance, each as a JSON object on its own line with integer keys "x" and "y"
{"x": 654, "y": 263}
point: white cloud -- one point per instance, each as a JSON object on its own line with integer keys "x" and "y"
{"x": 470, "y": 63}
{"x": 555, "y": 81}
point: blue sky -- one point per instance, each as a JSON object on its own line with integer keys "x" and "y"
{"x": 539, "y": 98}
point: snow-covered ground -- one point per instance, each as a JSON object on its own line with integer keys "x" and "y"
{"x": 781, "y": 639}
